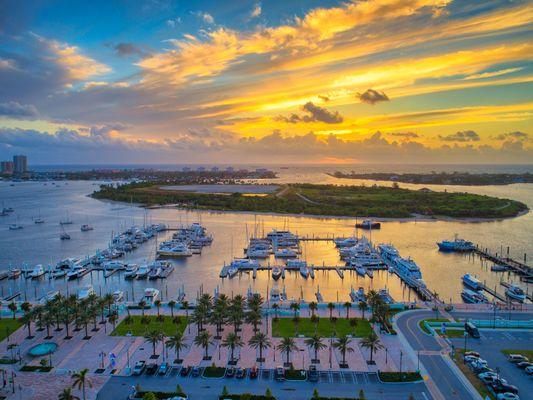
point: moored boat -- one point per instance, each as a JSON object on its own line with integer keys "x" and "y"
{"x": 516, "y": 293}
{"x": 472, "y": 282}
{"x": 276, "y": 273}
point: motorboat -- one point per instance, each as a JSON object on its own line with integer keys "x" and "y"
{"x": 253, "y": 252}
{"x": 472, "y": 282}
{"x": 318, "y": 295}
{"x": 15, "y": 227}
{"x": 370, "y": 273}
{"x": 360, "y": 270}
{"x": 67, "y": 263}
{"x": 58, "y": 273}
{"x": 276, "y": 273}
{"x": 516, "y": 293}
{"x": 275, "y": 296}
{"x": 131, "y": 271}
{"x": 244, "y": 263}
{"x": 85, "y": 292}
{"x": 388, "y": 252}
{"x": 64, "y": 236}
{"x": 76, "y": 272}
{"x": 471, "y": 296}
{"x": 457, "y": 245}
{"x": 154, "y": 273}
{"x": 499, "y": 268}
{"x": 406, "y": 268}
{"x": 176, "y": 250}
{"x": 304, "y": 271}
{"x": 232, "y": 270}
{"x": 295, "y": 264}
{"x": 385, "y": 296}
{"x": 14, "y": 273}
{"x": 345, "y": 242}
{"x": 113, "y": 264}
{"x": 150, "y": 296}
{"x": 118, "y": 296}
{"x": 51, "y": 295}
{"x": 37, "y": 272}
{"x": 357, "y": 296}
{"x": 285, "y": 252}
{"x": 86, "y": 228}
{"x": 368, "y": 224}
{"x": 39, "y": 220}
{"x": 142, "y": 272}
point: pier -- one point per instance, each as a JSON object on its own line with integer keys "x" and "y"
{"x": 520, "y": 268}
{"x": 528, "y": 295}
{"x": 494, "y": 293}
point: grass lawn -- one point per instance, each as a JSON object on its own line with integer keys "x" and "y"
{"x": 454, "y": 333}
{"x": 285, "y": 327}
{"x": 525, "y": 353}
{"x": 423, "y": 327}
{"x": 471, "y": 376}
{"x": 397, "y": 377}
{"x": 8, "y": 326}
{"x": 136, "y": 328}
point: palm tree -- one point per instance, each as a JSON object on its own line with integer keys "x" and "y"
{"x": 295, "y": 307}
{"x": 275, "y": 307}
{"x": 177, "y": 342}
{"x": 314, "y": 320}
{"x": 142, "y": 304}
{"x": 27, "y": 320}
{"x": 154, "y": 337}
{"x": 113, "y": 318}
{"x": 81, "y": 380}
{"x": 237, "y": 312}
{"x": 287, "y": 345}
{"x": 347, "y": 305}
{"x": 343, "y": 345}
{"x": 232, "y": 342}
{"x": 363, "y": 307}
{"x": 26, "y": 307}
{"x": 260, "y": 341}
{"x": 315, "y": 343}
{"x": 172, "y": 304}
{"x": 253, "y": 317}
{"x": 66, "y": 394}
{"x": 66, "y": 318}
{"x": 185, "y": 305}
{"x": 109, "y": 300}
{"x": 331, "y": 307}
{"x": 313, "y": 306}
{"x": 13, "y": 308}
{"x": 203, "y": 340}
{"x": 218, "y": 318}
{"x": 157, "y": 303}
{"x": 373, "y": 343}
{"x": 47, "y": 321}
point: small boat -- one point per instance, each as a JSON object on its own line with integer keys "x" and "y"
{"x": 76, "y": 272}
{"x": 285, "y": 253}
{"x": 15, "y": 227}
{"x": 312, "y": 272}
{"x": 37, "y": 272}
{"x": 276, "y": 273}
{"x": 472, "y": 282}
{"x": 113, "y": 264}
{"x": 370, "y": 273}
{"x": 14, "y": 273}
{"x": 516, "y": 293}
{"x": 86, "y": 228}
{"x": 64, "y": 236}
{"x": 499, "y": 268}
{"x": 49, "y": 297}
{"x": 385, "y": 296}
{"x": 357, "y": 296}
{"x": 174, "y": 250}
{"x": 39, "y": 220}
{"x": 85, "y": 292}
{"x": 118, "y": 296}
{"x": 275, "y": 296}
{"x": 58, "y": 273}
{"x": 471, "y": 296}
{"x": 304, "y": 271}
{"x": 154, "y": 273}
{"x": 142, "y": 272}
{"x": 368, "y": 224}
{"x": 345, "y": 242}
{"x": 130, "y": 272}
{"x": 360, "y": 270}
{"x": 232, "y": 270}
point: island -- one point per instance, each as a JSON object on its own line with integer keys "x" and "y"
{"x": 441, "y": 178}
{"x": 322, "y": 200}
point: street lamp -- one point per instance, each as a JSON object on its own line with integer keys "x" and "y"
{"x": 386, "y": 356}
{"x": 418, "y": 361}
{"x": 401, "y": 358}
{"x": 465, "y": 335}
{"x": 330, "y": 351}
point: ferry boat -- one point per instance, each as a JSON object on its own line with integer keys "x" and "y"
{"x": 131, "y": 271}
{"x": 516, "y": 293}
{"x": 176, "y": 250}
{"x": 276, "y": 273}
{"x": 457, "y": 245}
{"x": 142, "y": 272}
{"x": 118, "y": 296}
{"x": 86, "y": 228}
{"x": 85, "y": 292}
{"x": 471, "y": 296}
{"x": 368, "y": 224}
{"x": 150, "y": 296}
{"x": 472, "y": 282}
{"x": 37, "y": 272}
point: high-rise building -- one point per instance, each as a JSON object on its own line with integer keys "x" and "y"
{"x": 6, "y": 167}
{"x": 20, "y": 164}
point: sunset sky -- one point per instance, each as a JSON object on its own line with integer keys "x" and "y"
{"x": 303, "y": 81}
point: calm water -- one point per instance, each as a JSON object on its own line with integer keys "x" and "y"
{"x": 40, "y": 243}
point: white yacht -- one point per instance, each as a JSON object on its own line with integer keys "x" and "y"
{"x": 58, "y": 273}
{"x": 85, "y": 292}
{"x": 150, "y": 295}
{"x": 245, "y": 263}
{"x": 516, "y": 293}
{"x": 154, "y": 273}
{"x": 114, "y": 264}
{"x": 285, "y": 252}
{"x": 76, "y": 272}
{"x": 39, "y": 220}
{"x": 174, "y": 250}
{"x": 131, "y": 271}
{"x": 232, "y": 270}
{"x": 15, "y": 227}
{"x": 142, "y": 272}
{"x": 472, "y": 282}
{"x": 345, "y": 242}
{"x": 37, "y": 272}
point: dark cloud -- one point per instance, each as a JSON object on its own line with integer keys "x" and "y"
{"x": 517, "y": 135}
{"x": 325, "y": 99}
{"x": 128, "y": 49}
{"x": 461, "y": 136}
{"x": 410, "y": 135}
{"x": 372, "y": 96}
{"x": 315, "y": 114}
{"x": 12, "y": 109}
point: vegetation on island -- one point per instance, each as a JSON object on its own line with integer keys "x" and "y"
{"x": 442, "y": 178}
{"x": 331, "y": 200}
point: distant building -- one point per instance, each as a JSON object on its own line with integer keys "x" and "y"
{"x": 214, "y": 169}
{"x": 6, "y": 167}
{"x": 20, "y": 164}
{"x": 200, "y": 169}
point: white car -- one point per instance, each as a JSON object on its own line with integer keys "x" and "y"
{"x": 507, "y": 396}
{"x": 490, "y": 377}
{"x": 471, "y": 358}
{"x": 529, "y": 370}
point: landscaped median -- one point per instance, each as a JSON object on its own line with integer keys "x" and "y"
{"x": 138, "y": 325}
{"x": 399, "y": 377}
{"x": 325, "y": 327}
{"x": 214, "y": 372}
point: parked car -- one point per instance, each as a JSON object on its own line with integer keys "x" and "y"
{"x": 500, "y": 387}
{"x": 184, "y": 397}
{"x": 516, "y": 358}
{"x": 529, "y": 370}
{"x": 254, "y": 372}
{"x": 489, "y": 377}
{"x": 507, "y": 396}
{"x": 185, "y": 371}
{"x": 280, "y": 374}
{"x": 479, "y": 369}
{"x": 240, "y": 374}
{"x": 195, "y": 372}
{"x": 312, "y": 374}
{"x": 139, "y": 367}
{"x": 472, "y": 353}
{"x": 524, "y": 364}
{"x": 163, "y": 369}
{"x": 151, "y": 368}
{"x": 230, "y": 372}
{"x": 471, "y": 358}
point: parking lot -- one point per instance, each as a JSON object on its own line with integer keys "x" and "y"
{"x": 490, "y": 345}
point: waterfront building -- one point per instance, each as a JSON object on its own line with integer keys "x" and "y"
{"x": 20, "y": 164}
{"x": 6, "y": 167}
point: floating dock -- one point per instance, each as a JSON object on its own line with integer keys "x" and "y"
{"x": 520, "y": 268}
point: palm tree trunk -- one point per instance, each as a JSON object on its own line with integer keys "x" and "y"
{"x": 232, "y": 349}
{"x": 83, "y": 385}
{"x": 29, "y": 329}
{"x": 261, "y": 352}
{"x": 206, "y": 349}
{"x": 344, "y": 356}
{"x": 371, "y": 354}
{"x": 288, "y": 354}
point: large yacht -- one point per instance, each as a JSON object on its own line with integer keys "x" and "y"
{"x": 174, "y": 250}
{"x": 405, "y": 267}
{"x": 458, "y": 245}
{"x": 472, "y": 282}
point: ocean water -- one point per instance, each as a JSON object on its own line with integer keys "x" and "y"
{"x": 40, "y": 243}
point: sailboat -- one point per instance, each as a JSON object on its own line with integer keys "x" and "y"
{"x": 64, "y": 235}
{"x": 66, "y": 221}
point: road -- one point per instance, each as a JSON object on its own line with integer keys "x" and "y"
{"x": 445, "y": 382}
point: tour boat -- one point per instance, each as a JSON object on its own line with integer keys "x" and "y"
{"x": 276, "y": 273}
{"x": 406, "y": 268}
{"x": 37, "y": 272}
{"x": 85, "y": 292}
{"x": 472, "y": 282}
{"x": 516, "y": 293}
{"x": 471, "y": 296}
{"x": 458, "y": 245}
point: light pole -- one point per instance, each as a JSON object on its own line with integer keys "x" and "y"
{"x": 386, "y": 356}
{"x": 418, "y": 361}
{"x": 401, "y": 358}
{"x": 465, "y": 334}
{"x": 330, "y": 351}
{"x": 494, "y": 315}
